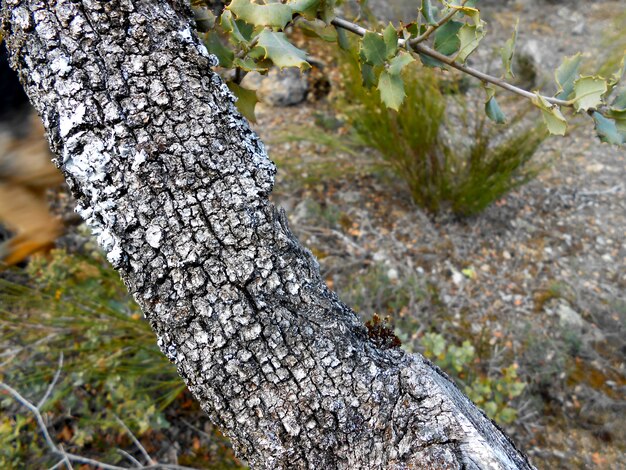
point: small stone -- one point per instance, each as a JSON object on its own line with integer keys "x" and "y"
{"x": 528, "y": 63}
{"x": 457, "y": 277}
{"x": 569, "y": 317}
{"x": 279, "y": 87}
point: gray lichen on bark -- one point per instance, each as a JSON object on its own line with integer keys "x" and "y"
{"x": 175, "y": 186}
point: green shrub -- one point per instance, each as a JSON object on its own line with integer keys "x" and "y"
{"x": 492, "y": 392}
{"x": 112, "y": 367}
{"x": 480, "y": 164}
{"x": 613, "y": 46}
{"x": 450, "y": 158}
{"x": 407, "y": 140}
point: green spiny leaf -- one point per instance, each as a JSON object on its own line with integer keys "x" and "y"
{"x": 552, "y": 116}
{"x": 619, "y": 116}
{"x": 492, "y": 108}
{"x": 494, "y": 112}
{"x": 250, "y": 65}
{"x": 368, "y": 75}
{"x": 411, "y": 30}
{"x": 397, "y": 64}
{"x": 275, "y": 15}
{"x": 430, "y": 62}
{"x": 617, "y": 76}
{"x": 620, "y": 101}
{"x": 607, "y": 130}
{"x": 565, "y": 76}
{"x": 470, "y": 37}
{"x": 205, "y": 19}
{"x": 373, "y": 49}
{"x": 588, "y": 92}
{"x": 240, "y": 32}
{"x": 391, "y": 88}
{"x": 507, "y": 52}
{"x": 223, "y": 53}
{"x": 342, "y": 39}
{"x": 281, "y": 51}
{"x": 307, "y": 8}
{"x": 246, "y": 100}
{"x": 258, "y": 53}
{"x": 427, "y": 12}
{"x": 470, "y": 12}
{"x": 320, "y": 29}
{"x": 327, "y": 10}
{"x": 447, "y": 41}
{"x": 390, "y": 37}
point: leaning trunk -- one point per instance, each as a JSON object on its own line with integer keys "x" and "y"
{"x": 175, "y": 186}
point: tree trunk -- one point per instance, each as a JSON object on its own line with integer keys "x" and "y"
{"x": 175, "y": 185}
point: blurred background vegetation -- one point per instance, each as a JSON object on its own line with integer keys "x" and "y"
{"x": 112, "y": 370}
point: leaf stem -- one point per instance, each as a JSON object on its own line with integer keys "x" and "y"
{"x": 421, "y": 49}
{"x": 432, "y": 28}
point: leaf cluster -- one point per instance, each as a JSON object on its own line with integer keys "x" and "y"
{"x": 493, "y": 392}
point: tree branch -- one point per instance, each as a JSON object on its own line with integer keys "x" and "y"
{"x": 52, "y": 384}
{"x": 141, "y": 448}
{"x": 421, "y": 49}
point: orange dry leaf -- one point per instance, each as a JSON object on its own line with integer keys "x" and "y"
{"x": 598, "y": 459}
{"x": 196, "y": 444}
{"x": 65, "y": 434}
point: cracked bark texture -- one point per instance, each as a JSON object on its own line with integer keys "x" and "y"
{"x": 175, "y": 186}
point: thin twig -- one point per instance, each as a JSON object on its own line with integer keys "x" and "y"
{"x": 52, "y": 384}
{"x": 421, "y": 49}
{"x": 14, "y": 351}
{"x": 16, "y": 395}
{"x": 57, "y": 465}
{"x": 432, "y": 28}
{"x": 337, "y": 233}
{"x": 130, "y": 457}
{"x": 46, "y": 435}
{"x": 66, "y": 460}
{"x": 141, "y": 448}
{"x": 615, "y": 189}
{"x": 195, "y": 428}
{"x": 67, "y": 455}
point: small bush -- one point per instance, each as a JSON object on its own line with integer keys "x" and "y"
{"x": 614, "y": 46}
{"x": 493, "y": 392}
{"x": 112, "y": 368}
{"x": 462, "y": 166}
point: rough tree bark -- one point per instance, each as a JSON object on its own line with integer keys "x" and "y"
{"x": 175, "y": 185}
